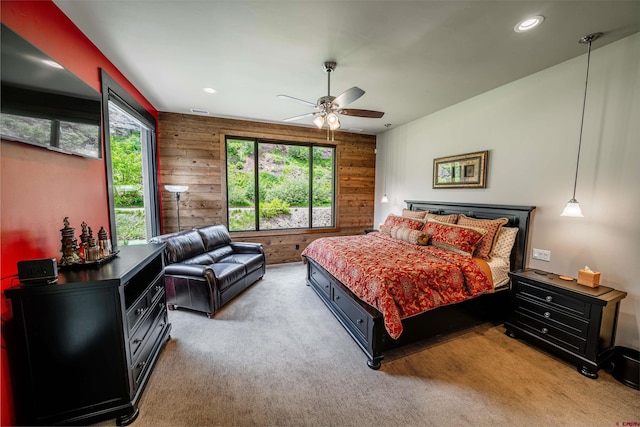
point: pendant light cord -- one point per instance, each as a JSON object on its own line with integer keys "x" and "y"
{"x": 584, "y": 104}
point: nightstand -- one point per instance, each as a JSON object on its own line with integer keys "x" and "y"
{"x": 574, "y": 322}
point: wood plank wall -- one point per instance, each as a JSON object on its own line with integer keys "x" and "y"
{"x": 191, "y": 152}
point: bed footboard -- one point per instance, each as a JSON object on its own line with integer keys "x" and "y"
{"x": 362, "y": 322}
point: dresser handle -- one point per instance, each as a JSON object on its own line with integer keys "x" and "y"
{"x": 140, "y": 311}
{"x": 545, "y": 330}
{"x": 337, "y": 298}
{"x": 158, "y": 287}
{"x": 547, "y": 314}
{"x": 137, "y": 341}
{"x": 549, "y": 298}
{"x": 142, "y": 364}
{"x": 359, "y": 321}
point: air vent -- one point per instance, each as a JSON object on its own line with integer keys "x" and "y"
{"x": 355, "y": 130}
{"x": 199, "y": 111}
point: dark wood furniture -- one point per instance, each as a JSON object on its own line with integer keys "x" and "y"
{"x": 365, "y": 324}
{"x": 575, "y": 322}
{"x": 83, "y": 349}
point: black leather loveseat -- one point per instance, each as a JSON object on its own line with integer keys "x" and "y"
{"x": 204, "y": 269}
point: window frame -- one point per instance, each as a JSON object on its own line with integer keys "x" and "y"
{"x": 113, "y": 92}
{"x": 269, "y": 140}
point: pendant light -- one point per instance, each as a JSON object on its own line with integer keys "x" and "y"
{"x": 573, "y": 206}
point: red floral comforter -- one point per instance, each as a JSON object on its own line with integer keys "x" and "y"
{"x": 399, "y": 279}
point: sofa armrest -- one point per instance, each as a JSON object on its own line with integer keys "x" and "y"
{"x": 193, "y": 270}
{"x": 247, "y": 248}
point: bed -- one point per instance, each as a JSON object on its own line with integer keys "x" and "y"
{"x": 363, "y": 298}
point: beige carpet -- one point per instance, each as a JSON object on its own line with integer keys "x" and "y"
{"x": 277, "y": 356}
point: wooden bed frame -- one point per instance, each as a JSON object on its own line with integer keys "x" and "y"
{"x": 365, "y": 324}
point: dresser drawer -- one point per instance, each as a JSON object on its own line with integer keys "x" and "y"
{"x": 145, "y": 355}
{"x": 550, "y": 332}
{"x": 550, "y": 315}
{"x": 138, "y": 339}
{"x": 352, "y": 311}
{"x": 137, "y": 312}
{"x": 553, "y": 299}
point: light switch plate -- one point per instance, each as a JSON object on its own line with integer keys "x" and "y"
{"x": 541, "y": 254}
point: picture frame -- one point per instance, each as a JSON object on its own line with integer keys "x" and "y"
{"x": 461, "y": 171}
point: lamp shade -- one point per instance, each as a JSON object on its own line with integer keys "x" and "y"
{"x": 176, "y": 188}
{"x": 332, "y": 121}
{"x": 319, "y": 122}
{"x": 572, "y": 209}
{"x": 385, "y": 199}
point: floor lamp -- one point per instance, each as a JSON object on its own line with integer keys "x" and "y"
{"x": 177, "y": 189}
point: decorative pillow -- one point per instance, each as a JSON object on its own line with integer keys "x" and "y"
{"x": 399, "y": 221}
{"x": 421, "y": 215}
{"x": 504, "y": 242}
{"x": 492, "y": 226}
{"x": 459, "y": 239}
{"x": 409, "y": 235}
{"x": 447, "y": 219}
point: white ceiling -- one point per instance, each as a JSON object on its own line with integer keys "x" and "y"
{"x": 411, "y": 57}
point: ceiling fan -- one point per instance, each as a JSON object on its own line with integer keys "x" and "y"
{"x": 328, "y": 107}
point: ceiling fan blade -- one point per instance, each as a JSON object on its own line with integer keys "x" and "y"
{"x": 361, "y": 113}
{"x": 348, "y": 96}
{"x": 302, "y": 101}
{"x": 290, "y": 119}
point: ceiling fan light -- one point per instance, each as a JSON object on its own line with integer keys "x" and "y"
{"x": 319, "y": 122}
{"x": 332, "y": 121}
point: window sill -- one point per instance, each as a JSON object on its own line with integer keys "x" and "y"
{"x": 283, "y": 232}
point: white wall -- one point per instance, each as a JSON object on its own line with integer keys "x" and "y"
{"x": 531, "y": 129}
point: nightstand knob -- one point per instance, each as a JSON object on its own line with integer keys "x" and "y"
{"x": 547, "y": 314}
{"x": 545, "y": 330}
{"x": 549, "y": 298}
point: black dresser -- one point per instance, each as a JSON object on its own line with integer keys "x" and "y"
{"x": 575, "y": 322}
{"x": 83, "y": 349}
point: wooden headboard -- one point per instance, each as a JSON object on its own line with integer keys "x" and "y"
{"x": 518, "y": 216}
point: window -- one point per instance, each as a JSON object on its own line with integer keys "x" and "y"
{"x": 289, "y": 185}
{"x": 130, "y": 147}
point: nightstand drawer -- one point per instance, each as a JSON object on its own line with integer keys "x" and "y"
{"x": 551, "y": 333}
{"x": 554, "y": 299}
{"x": 550, "y": 315}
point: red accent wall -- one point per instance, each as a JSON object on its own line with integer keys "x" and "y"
{"x": 38, "y": 187}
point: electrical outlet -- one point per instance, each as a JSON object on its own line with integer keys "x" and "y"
{"x": 297, "y": 246}
{"x": 541, "y": 254}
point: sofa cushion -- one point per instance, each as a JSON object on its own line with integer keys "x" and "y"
{"x": 202, "y": 259}
{"x": 228, "y": 273}
{"x": 214, "y": 236}
{"x": 181, "y": 246}
{"x": 251, "y": 261}
{"x": 218, "y": 254}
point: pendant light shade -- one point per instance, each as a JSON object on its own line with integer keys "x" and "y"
{"x": 573, "y": 207}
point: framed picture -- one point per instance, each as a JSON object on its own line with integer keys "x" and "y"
{"x": 461, "y": 171}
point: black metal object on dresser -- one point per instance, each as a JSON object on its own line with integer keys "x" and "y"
{"x": 82, "y": 350}
{"x": 575, "y": 322}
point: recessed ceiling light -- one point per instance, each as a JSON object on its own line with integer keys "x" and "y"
{"x": 528, "y": 24}
{"x": 53, "y": 64}
{"x": 209, "y": 90}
